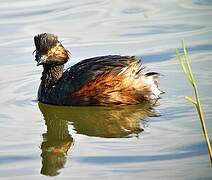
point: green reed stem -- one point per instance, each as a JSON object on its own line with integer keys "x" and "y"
{"x": 186, "y": 67}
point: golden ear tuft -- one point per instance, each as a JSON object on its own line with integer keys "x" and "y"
{"x": 59, "y": 52}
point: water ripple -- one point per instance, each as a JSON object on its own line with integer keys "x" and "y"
{"x": 149, "y": 29}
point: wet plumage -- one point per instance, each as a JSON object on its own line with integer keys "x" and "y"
{"x": 104, "y": 80}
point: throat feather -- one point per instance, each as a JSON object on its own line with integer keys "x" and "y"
{"x": 51, "y": 74}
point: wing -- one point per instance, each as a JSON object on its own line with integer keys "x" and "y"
{"x": 88, "y": 70}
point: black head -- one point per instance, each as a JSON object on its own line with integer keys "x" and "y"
{"x": 49, "y": 50}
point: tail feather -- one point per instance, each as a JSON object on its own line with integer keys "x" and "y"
{"x": 145, "y": 83}
{"x": 152, "y": 81}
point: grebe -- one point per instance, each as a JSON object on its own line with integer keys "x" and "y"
{"x": 104, "y": 80}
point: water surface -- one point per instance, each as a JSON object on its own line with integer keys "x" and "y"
{"x": 39, "y": 141}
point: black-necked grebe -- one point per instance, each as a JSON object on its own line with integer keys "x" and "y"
{"x": 104, "y": 80}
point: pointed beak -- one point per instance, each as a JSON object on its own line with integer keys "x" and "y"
{"x": 41, "y": 60}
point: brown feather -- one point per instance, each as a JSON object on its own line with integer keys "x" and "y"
{"x": 116, "y": 87}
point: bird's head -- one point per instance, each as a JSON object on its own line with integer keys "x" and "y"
{"x": 49, "y": 50}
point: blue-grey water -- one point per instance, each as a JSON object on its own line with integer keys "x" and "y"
{"x": 40, "y": 141}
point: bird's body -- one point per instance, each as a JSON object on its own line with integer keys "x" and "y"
{"x": 104, "y": 80}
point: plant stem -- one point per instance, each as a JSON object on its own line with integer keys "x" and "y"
{"x": 185, "y": 64}
{"x": 202, "y": 120}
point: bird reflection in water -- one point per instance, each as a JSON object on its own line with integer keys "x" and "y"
{"x": 56, "y": 143}
{"x": 107, "y": 122}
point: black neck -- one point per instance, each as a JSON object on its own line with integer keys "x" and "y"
{"x": 51, "y": 74}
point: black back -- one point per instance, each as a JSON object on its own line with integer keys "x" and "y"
{"x": 87, "y": 70}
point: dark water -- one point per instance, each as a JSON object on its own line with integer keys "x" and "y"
{"x": 38, "y": 141}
